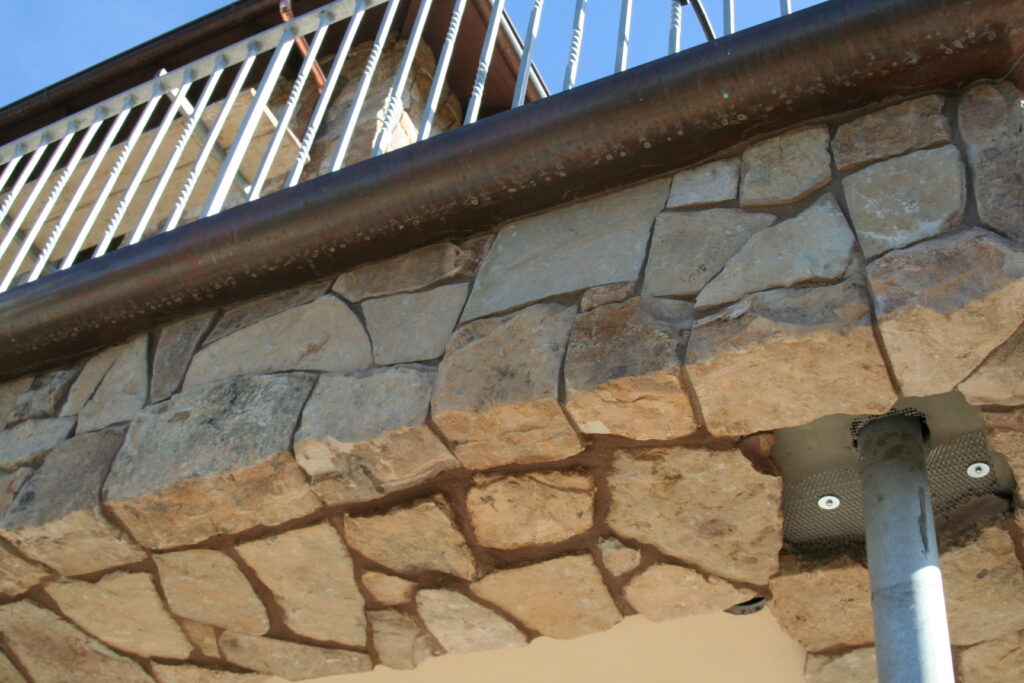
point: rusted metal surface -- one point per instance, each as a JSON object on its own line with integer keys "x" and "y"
{"x": 623, "y": 129}
{"x": 287, "y": 14}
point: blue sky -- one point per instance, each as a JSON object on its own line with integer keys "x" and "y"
{"x": 80, "y": 33}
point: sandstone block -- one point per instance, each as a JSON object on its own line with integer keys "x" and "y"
{"x": 363, "y": 436}
{"x": 203, "y": 636}
{"x": 463, "y": 625}
{"x": 689, "y": 249}
{"x": 17, "y": 575}
{"x": 410, "y": 272}
{"x": 594, "y": 242}
{"x": 10, "y": 392}
{"x": 786, "y": 167}
{"x": 999, "y": 380}
{"x": 1006, "y": 436}
{"x": 51, "y": 649}
{"x": 388, "y": 590}
{"x": 541, "y": 507}
{"x": 28, "y": 443}
{"x": 707, "y": 508}
{"x": 944, "y": 305}
{"x": 123, "y": 610}
{"x": 173, "y": 354}
{"x": 815, "y": 246}
{"x": 44, "y": 397}
{"x": 313, "y": 581}
{"x": 185, "y": 673}
{"x": 898, "y": 202}
{"x": 624, "y": 370}
{"x": 409, "y": 327}
{"x": 212, "y": 460}
{"x": 122, "y": 392}
{"x": 496, "y": 398}
{"x": 398, "y": 639}
{"x": 249, "y": 312}
{"x": 892, "y": 131}
{"x": 618, "y": 558}
{"x": 820, "y": 339}
{"x": 855, "y": 666}
{"x": 712, "y": 183}
{"x": 8, "y": 672}
{"x": 666, "y": 591}
{"x": 93, "y": 372}
{"x": 10, "y": 484}
{"x": 995, "y": 661}
{"x": 56, "y": 518}
{"x": 291, "y": 661}
{"x": 991, "y": 122}
{"x": 208, "y": 587}
{"x": 601, "y": 295}
{"x": 322, "y": 335}
{"x": 561, "y": 598}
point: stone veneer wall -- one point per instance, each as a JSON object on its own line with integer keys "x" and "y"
{"x": 534, "y": 432}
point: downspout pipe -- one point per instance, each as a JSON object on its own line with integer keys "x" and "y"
{"x": 617, "y": 131}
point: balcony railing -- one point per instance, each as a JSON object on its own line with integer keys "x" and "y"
{"x": 248, "y": 120}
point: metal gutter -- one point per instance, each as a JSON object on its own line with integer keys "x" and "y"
{"x": 617, "y": 131}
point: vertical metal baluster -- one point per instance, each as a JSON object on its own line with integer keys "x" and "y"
{"x": 785, "y": 7}
{"x": 625, "y": 19}
{"x": 115, "y": 173}
{"x": 490, "y": 38}
{"x": 211, "y": 140}
{"x": 395, "y": 95}
{"x": 702, "y": 18}
{"x": 293, "y": 100}
{"x": 728, "y": 17}
{"x": 83, "y": 185}
{"x": 675, "y": 27}
{"x": 19, "y": 152}
{"x": 526, "y": 59}
{"x": 23, "y": 177}
{"x": 194, "y": 116}
{"x": 248, "y": 128}
{"x": 55, "y": 191}
{"x": 338, "y": 159}
{"x": 140, "y": 173}
{"x": 575, "y": 45}
{"x": 441, "y": 72}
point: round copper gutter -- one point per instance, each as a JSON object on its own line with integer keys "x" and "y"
{"x": 649, "y": 120}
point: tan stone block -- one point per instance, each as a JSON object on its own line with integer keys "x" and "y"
{"x": 944, "y": 305}
{"x": 399, "y": 640}
{"x": 855, "y": 666}
{"x": 51, "y": 649}
{"x": 413, "y": 327}
{"x": 203, "y": 636}
{"x": 10, "y": 484}
{"x": 93, "y": 372}
{"x": 212, "y": 460}
{"x": 994, "y": 661}
{"x": 819, "y": 339}
{"x": 602, "y": 295}
{"x": 409, "y": 540}
{"x": 712, "y": 183}
{"x": 174, "y": 349}
{"x": 497, "y": 389}
{"x": 786, "y": 167}
{"x": 892, "y": 131}
{"x": 461, "y": 624}
{"x": 44, "y": 397}
{"x": 249, "y": 312}
{"x": 8, "y": 672}
{"x": 17, "y": 575}
{"x": 618, "y": 558}
{"x": 624, "y": 370}
{"x": 561, "y": 598}
{"x": 999, "y": 380}
{"x": 28, "y": 443}
{"x": 666, "y": 591}
{"x": 291, "y": 661}
{"x": 1006, "y": 436}
{"x": 56, "y": 518}
{"x": 410, "y": 272}
{"x": 311, "y": 576}
{"x": 123, "y": 610}
{"x": 707, "y": 508}
{"x": 207, "y": 586}
{"x": 388, "y": 590}
{"x": 186, "y": 673}
{"x": 122, "y": 392}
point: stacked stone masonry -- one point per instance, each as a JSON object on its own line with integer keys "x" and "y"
{"x": 537, "y": 431}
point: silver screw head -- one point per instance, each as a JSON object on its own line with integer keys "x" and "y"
{"x": 978, "y": 470}
{"x": 828, "y": 502}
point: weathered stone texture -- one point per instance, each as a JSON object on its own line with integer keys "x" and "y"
{"x": 173, "y": 354}
{"x": 53, "y": 650}
{"x": 786, "y": 167}
{"x": 992, "y": 124}
{"x": 463, "y": 625}
{"x": 410, "y": 272}
{"x": 212, "y": 460}
{"x": 398, "y": 639}
{"x": 594, "y": 242}
{"x": 28, "y": 442}
{"x": 363, "y": 436}
{"x": 17, "y": 575}
{"x": 208, "y": 587}
{"x": 93, "y": 372}
{"x": 409, "y": 327}
{"x": 561, "y": 598}
{"x": 122, "y": 392}
{"x": 203, "y": 636}
{"x": 249, "y": 312}
{"x": 815, "y": 246}
{"x": 999, "y": 380}
{"x": 618, "y": 558}
{"x": 44, "y": 397}
{"x": 601, "y": 295}
{"x": 409, "y": 540}
{"x": 123, "y": 610}
{"x": 10, "y": 484}
{"x": 56, "y": 518}
{"x": 310, "y": 573}
{"x": 944, "y": 305}
{"x": 855, "y": 666}
{"x": 903, "y": 200}
{"x": 184, "y": 673}
{"x": 1006, "y": 436}
{"x": 995, "y": 661}
{"x": 322, "y": 335}
{"x": 292, "y": 661}
{"x": 892, "y": 131}
{"x": 820, "y": 340}
{"x": 8, "y": 672}
{"x": 666, "y": 591}
{"x": 387, "y": 589}
{"x": 712, "y": 183}
{"x": 624, "y": 370}
{"x": 10, "y": 392}
{"x": 707, "y": 508}
{"x": 541, "y": 507}
{"x": 497, "y": 389}
{"x": 688, "y": 249}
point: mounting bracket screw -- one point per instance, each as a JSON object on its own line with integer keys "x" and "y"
{"x": 828, "y": 502}
{"x": 978, "y": 470}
